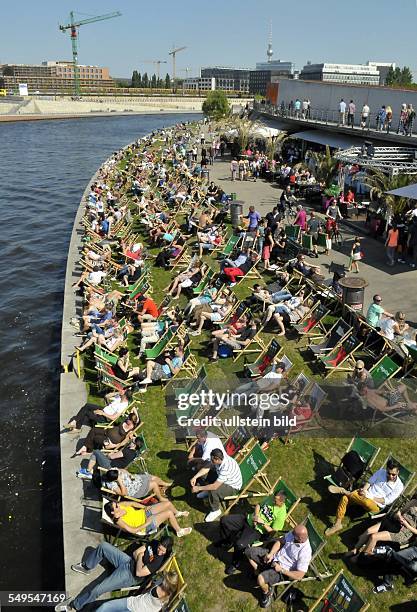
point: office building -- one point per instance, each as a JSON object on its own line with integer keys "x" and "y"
{"x": 228, "y": 79}
{"x": 54, "y": 77}
{"x": 383, "y": 68}
{"x": 354, "y": 74}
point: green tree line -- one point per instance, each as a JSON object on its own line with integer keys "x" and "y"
{"x": 399, "y": 77}
{"x": 145, "y": 81}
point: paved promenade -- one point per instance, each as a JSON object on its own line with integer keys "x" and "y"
{"x": 396, "y": 285}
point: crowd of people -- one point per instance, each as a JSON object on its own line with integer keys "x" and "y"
{"x": 158, "y": 210}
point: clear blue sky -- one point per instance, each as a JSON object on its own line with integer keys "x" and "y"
{"x": 219, "y": 32}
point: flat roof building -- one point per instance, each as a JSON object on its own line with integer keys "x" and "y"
{"x": 355, "y": 74}
{"x": 54, "y": 77}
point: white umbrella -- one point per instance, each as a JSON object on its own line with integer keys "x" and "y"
{"x": 265, "y": 132}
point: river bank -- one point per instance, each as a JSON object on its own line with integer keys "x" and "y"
{"x": 51, "y": 117}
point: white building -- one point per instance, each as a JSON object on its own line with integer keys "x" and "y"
{"x": 200, "y": 83}
{"x": 354, "y": 74}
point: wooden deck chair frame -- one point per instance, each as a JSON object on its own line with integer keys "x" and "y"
{"x": 230, "y": 246}
{"x": 410, "y": 362}
{"x": 312, "y": 423}
{"x": 270, "y": 348}
{"x": 132, "y": 406}
{"x": 357, "y": 441}
{"x": 347, "y": 363}
{"x": 339, "y": 338}
{"x": 327, "y": 592}
{"x": 313, "y": 568}
{"x": 397, "y": 415}
{"x": 125, "y": 591}
{"x": 256, "y": 345}
{"x": 258, "y": 478}
{"x": 189, "y": 367}
{"x": 204, "y": 283}
{"x": 194, "y": 385}
{"x": 381, "y": 373}
{"x": 317, "y": 329}
{"x": 281, "y": 485}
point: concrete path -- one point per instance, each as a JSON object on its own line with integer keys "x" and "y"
{"x": 397, "y": 285}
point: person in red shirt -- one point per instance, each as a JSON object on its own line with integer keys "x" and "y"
{"x": 148, "y": 308}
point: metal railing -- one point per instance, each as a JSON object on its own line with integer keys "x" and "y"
{"x": 319, "y": 116}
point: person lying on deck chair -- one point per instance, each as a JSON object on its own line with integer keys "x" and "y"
{"x": 111, "y": 437}
{"x": 241, "y": 530}
{"x": 91, "y": 414}
{"x": 115, "y": 459}
{"x": 288, "y": 559}
{"x": 386, "y": 398}
{"x": 165, "y": 368}
{"x": 237, "y": 340}
{"x": 228, "y": 481}
{"x": 134, "y": 485}
{"x": 381, "y": 490}
{"x": 137, "y": 518}
{"x": 135, "y": 570}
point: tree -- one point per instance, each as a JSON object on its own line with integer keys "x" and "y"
{"x": 167, "y": 81}
{"x": 216, "y": 105}
{"x": 325, "y": 166}
{"x": 406, "y": 76}
{"x": 274, "y": 144}
{"x": 380, "y": 183}
{"x": 389, "y": 79}
{"x": 139, "y": 80}
{"x": 153, "y": 81}
{"x": 145, "y": 80}
{"x": 135, "y": 79}
{"x": 159, "y": 83}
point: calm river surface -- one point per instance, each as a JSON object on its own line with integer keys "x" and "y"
{"x": 44, "y": 168}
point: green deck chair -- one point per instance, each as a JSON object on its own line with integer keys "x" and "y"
{"x": 383, "y": 370}
{"x": 340, "y": 594}
{"x": 160, "y": 346}
{"x": 367, "y": 451}
{"x": 293, "y": 231}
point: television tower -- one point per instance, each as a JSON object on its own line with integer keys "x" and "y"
{"x": 269, "y": 51}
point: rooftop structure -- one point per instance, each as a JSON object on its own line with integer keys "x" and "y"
{"x": 391, "y": 160}
{"x": 383, "y": 68}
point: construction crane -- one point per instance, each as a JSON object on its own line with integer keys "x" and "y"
{"x": 73, "y": 26}
{"x": 156, "y": 63}
{"x": 174, "y": 53}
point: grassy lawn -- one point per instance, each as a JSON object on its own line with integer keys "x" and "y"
{"x": 302, "y": 464}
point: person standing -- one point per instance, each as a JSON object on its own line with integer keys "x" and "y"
{"x": 380, "y": 118}
{"x": 355, "y": 255}
{"x": 313, "y": 227}
{"x": 391, "y": 243}
{"x": 342, "y": 112}
{"x": 301, "y": 218}
{"x": 365, "y": 115}
{"x": 234, "y": 167}
{"x": 351, "y": 113}
{"x": 412, "y": 240}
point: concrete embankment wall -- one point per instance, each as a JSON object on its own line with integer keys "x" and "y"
{"x": 66, "y": 106}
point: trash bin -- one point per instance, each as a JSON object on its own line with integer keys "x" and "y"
{"x": 353, "y": 292}
{"x": 233, "y": 196}
{"x": 236, "y": 211}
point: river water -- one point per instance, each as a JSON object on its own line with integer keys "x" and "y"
{"x": 44, "y": 168}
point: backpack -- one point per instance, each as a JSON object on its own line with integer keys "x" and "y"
{"x": 351, "y": 469}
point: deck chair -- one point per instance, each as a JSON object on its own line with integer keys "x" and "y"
{"x": 291, "y": 499}
{"x": 307, "y": 241}
{"x": 265, "y": 359}
{"x": 103, "y": 355}
{"x": 383, "y": 370}
{"x": 230, "y": 246}
{"x": 366, "y": 451}
{"x": 340, "y": 359}
{"x": 302, "y": 383}
{"x": 256, "y": 345}
{"x": 255, "y": 482}
{"x": 193, "y": 386}
{"x": 205, "y": 282}
{"x": 133, "y": 590}
{"x": 317, "y": 570}
{"x": 335, "y": 336}
{"x": 189, "y": 367}
{"x": 313, "y": 325}
{"x": 316, "y": 397}
{"x": 293, "y": 231}
{"x": 141, "y": 536}
{"x": 410, "y": 363}
{"x": 163, "y": 343}
{"x": 340, "y": 594}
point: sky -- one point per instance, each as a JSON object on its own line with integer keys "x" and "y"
{"x": 219, "y": 32}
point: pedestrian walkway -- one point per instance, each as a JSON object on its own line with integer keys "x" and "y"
{"x": 396, "y": 285}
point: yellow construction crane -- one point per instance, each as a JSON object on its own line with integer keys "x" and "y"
{"x": 73, "y": 26}
{"x": 174, "y": 53}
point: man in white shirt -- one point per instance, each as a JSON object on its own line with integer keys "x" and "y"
{"x": 228, "y": 482}
{"x": 364, "y": 115}
{"x": 342, "y": 112}
{"x": 96, "y": 276}
{"x": 288, "y": 559}
{"x": 199, "y": 455}
{"x": 381, "y": 490}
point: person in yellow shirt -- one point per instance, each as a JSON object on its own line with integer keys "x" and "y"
{"x": 136, "y": 518}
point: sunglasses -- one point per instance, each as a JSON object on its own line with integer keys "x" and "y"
{"x": 392, "y": 474}
{"x": 359, "y": 369}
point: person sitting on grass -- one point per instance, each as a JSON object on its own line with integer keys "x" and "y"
{"x": 228, "y": 482}
{"x": 381, "y": 490}
{"x": 135, "y": 570}
{"x": 169, "y": 365}
{"x": 136, "y": 518}
{"x": 134, "y": 485}
{"x": 237, "y": 340}
{"x": 288, "y": 559}
{"x": 241, "y": 530}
